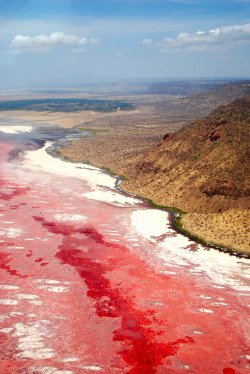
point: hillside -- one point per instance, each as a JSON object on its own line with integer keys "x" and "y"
{"x": 181, "y": 87}
{"x": 203, "y": 169}
{"x": 199, "y": 105}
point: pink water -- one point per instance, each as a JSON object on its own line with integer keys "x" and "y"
{"x": 82, "y": 291}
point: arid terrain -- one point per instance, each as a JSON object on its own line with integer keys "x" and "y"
{"x": 203, "y": 169}
{"x": 131, "y": 144}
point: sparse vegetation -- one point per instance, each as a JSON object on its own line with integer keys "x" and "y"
{"x": 111, "y": 172}
{"x": 201, "y": 169}
{"x": 66, "y": 105}
{"x": 208, "y": 172}
{"x": 180, "y": 212}
{"x": 92, "y": 131}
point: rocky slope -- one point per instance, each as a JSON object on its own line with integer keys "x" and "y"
{"x": 203, "y": 169}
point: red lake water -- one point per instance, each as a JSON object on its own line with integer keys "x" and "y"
{"x": 96, "y": 281}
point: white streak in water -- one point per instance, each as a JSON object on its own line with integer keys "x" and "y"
{"x": 8, "y": 302}
{"x": 53, "y": 288}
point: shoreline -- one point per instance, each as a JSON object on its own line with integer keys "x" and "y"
{"x": 154, "y": 223}
{"x": 179, "y": 226}
{"x": 169, "y": 244}
{"x": 176, "y": 213}
{"x": 226, "y": 230}
{"x": 176, "y": 219}
{"x": 178, "y": 223}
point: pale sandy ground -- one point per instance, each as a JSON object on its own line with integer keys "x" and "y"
{"x": 131, "y": 135}
{"x": 229, "y": 228}
{"x": 66, "y": 120}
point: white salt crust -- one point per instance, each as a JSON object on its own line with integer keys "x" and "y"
{"x": 15, "y": 129}
{"x": 30, "y": 340}
{"x": 47, "y": 370}
{"x": 220, "y": 267}
{"x": 8, "y": 287}
{"x": 171, "y": 247}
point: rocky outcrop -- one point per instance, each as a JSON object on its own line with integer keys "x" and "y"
{"x": 219, "y": 131}
{"x": 167, "y": 136}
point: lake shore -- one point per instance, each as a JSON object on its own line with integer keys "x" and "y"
{"x": 124, "y": 145}
{"x": 80, "y": 268}
{"x": 227, "y": 229}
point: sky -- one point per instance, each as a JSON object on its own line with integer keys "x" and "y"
{"x": 67, "y": 43}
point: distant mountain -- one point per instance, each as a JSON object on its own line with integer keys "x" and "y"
{"x": 182, "y": 88}
{"x": 172, "y": 88}
{"x": 203, "y": 168}
{"x": 202, "y": 103}
{"x": 161, "y": 87}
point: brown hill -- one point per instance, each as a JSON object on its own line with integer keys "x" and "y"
{"x": 200, "y": 104}
{"x": 203, "y": 169}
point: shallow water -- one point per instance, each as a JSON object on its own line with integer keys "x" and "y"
{"x": 94, "y": 280}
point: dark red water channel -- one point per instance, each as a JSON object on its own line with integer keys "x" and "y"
{"x": 81, "y": 290}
